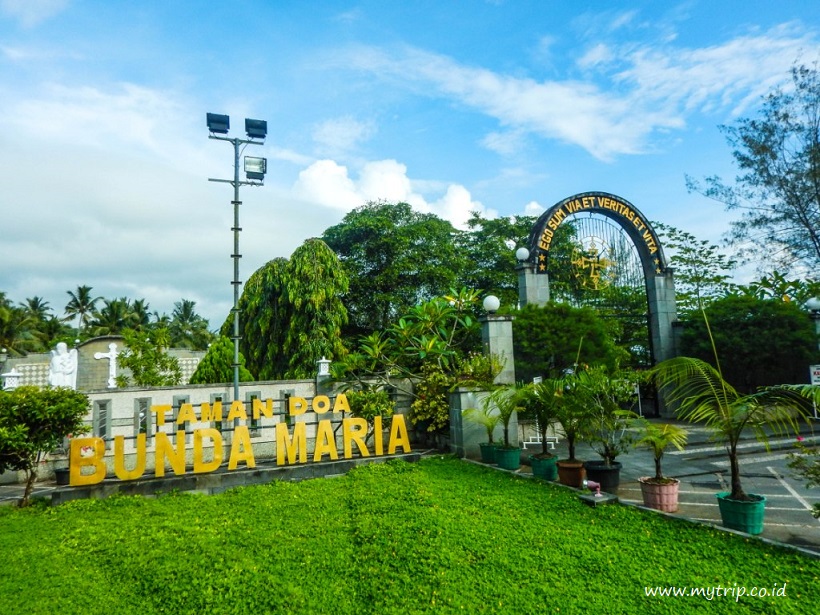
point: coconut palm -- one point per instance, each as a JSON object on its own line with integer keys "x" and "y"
{"x": 81, "y": 306}
{"x": 188, "y": 329}
{"x": 657, "y": 437}
{"x": 703, "y": 396}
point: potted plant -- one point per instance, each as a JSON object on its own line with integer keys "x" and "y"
{"x": 507, "y": 400}
{"x": 607, "y": 430}
{"x": 704, "y": 396}
{"x": 488, "y": 417}
{"x": 573, "y": 416}
{"x": 540, "y": 400}
{"x": 660, "y": 492}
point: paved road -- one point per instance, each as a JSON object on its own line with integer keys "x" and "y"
{"x": 703, "y": 470}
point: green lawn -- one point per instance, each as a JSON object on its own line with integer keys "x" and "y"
{"x": 439, "y": 536}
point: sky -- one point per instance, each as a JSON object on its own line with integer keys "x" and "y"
{"x": 503, "y": 107}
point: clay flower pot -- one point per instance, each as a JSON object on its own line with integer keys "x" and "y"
{"x": 660, "y": 494}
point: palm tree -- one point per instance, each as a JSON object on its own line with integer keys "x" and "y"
{"x": 188, "y": 329}
{"x": 702, "y": 395}
{"x": 81, "y": 306}
{"x": 140, "y": 316}
{"x": 114, "y": 317}
{"x": 17, "y": 329}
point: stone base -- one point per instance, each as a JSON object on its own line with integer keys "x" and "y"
{"x": 593, "y": 500}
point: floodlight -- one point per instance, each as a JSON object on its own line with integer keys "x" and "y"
{"x": 256, "y": 129}
{"x": 255, "y": 168}
{"x": 218, "y": 123}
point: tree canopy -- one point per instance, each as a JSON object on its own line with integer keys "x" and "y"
{"x": 759, "y": 342}
{"x": 292, "y": 314}
{"x": 778, "y": 189}
{"x": 395, "y": 259}
{"x": 216, "y": 366}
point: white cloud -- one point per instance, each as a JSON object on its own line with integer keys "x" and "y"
{"x": 31, "y": 12}
{"x": 341, "y": 134}
{"x": 655, "y": 90}
{"x": 328, "y": 183}
{"x": 534, "y": 208}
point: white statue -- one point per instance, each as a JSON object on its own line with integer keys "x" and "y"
{"x": 111, "y": 355}
{"x": 62, "y": 370}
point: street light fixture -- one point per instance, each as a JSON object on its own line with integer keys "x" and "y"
{"x": 255, "y": 169}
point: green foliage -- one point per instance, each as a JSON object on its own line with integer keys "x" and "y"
{"x": 657, "y": 437}
{"x": 486, "y": 415}
{"x": 146, "y": 357}
{"x": 540, "y": 402}
{"x": 608, "y": 398}
{"x": 702, "y": 395}
{"x": 806, "y": 464}
{"x": 33, "y": 422}
{"x": 187, "y": 328}
{"x": 768, "y": 341}
{"x": 439, "y": 536}
{"x": 370, "y": 403}
{"x": 395, "y": 258}
{"x": 489, "y": 248}
{"x": 778, "y": 154}
{"x": 507, "y": 400}
{"x": 702, "y": 270}
{"x": 777, "y": 286}
{"x": 216, "y": 366}
{"x": 292, "y": 314}
{"x": 431, "y": 406}
{"x": 546, "y": 340}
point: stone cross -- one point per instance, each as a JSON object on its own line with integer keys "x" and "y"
{"x": 111, "y": 355}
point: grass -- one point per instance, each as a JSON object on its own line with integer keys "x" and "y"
{"x": 439, "y": 536}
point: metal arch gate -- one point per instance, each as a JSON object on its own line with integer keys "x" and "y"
{"x": 658, "y": 278}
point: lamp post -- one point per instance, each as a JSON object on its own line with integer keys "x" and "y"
{"x": 813, "y": 305}
{"x": 255, "y": 169}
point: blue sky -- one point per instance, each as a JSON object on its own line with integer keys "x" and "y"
{"x": 503, "y": 107}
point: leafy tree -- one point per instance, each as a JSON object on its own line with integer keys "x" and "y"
{"x": 395, "y": 259}
{"x": 148, "y": 360}
{"x": 489, "y": 254}
{"x": 216, "y": 366}
{"x": 549, "y": 340}
{"x": 292, "y": 313}
{"x": 702, "y": 271}
{"x": 315, "y": 284}
{"x": 778, "y": 192}
{"x": 140, "y": 315}
{"x": 113, "y": 318}
{"x": 81, "y": 306}
{"x": 17, "y": 328}
{"x": 33, "y": 422}
{"x": 777, "y": 286}
{"x": 765, "y": 342}
{"x": 264, "y": 319}
{"x": 187, "y": 328}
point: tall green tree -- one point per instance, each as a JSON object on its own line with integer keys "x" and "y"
{"x": 315, "y": 285}
{"x": 17, "y": 329}
{"x": 395, "y": 259}
{"x": 81, "y": 306}
{"x": 703, "y": 272}
{"x": 188, "y": 329}
{"x": 292, "y": 313}
{"x": 216, "y": 366}
{"x": 778, "y": 190}
{"x": 761, "y": 342}
{"x": 113, "y": 318}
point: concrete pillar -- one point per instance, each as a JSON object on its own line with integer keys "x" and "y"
{"x": 532, "y": 287}
{"x": 497, "y": 339}
{"x": 662, "y": 314}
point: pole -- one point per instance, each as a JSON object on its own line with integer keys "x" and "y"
{"x": 236, "y": 256}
